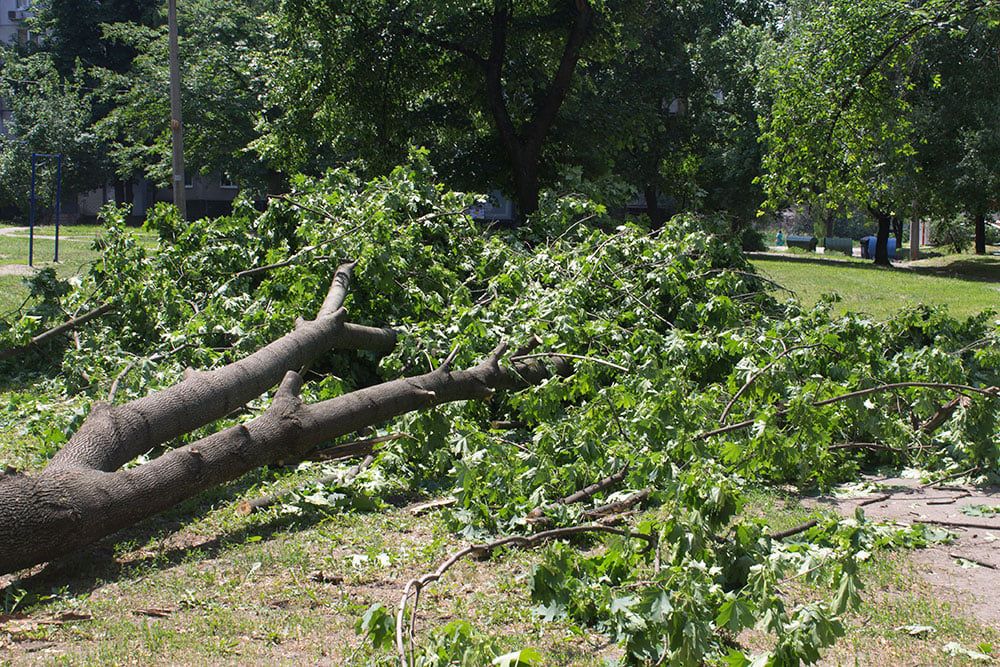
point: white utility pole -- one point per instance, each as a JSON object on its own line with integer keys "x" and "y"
{"x": 176, "y": 126}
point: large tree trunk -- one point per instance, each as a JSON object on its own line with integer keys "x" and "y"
{"x": 82, "y": 495}
{"x": 897, "y": 230}
{"x": 657, "y": 216}
{"x": 882, "y": 240}
{"x": 980, "y": 220}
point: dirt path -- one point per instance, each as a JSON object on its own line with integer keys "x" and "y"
{"x": 967, "y": 570}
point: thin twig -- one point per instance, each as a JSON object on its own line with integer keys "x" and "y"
{"x": 974, "y": 560}
{"x": 753, "y": 378}
{"x": 536, "y": 515}
{"x": 957, "y": 524}
{"x": 405, "y": 640}
{"x": 544, "y": 355}
{"x": 55, "y": 331}
{"x": 990, "y": 392}
{"x": 615, "y": 508}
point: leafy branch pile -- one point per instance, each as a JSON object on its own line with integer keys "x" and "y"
{"x": 691, "y": 384}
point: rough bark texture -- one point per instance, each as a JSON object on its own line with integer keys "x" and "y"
{"x": 82, "y": 496}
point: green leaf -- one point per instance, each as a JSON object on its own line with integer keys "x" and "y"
{"x": 379, "y": 624}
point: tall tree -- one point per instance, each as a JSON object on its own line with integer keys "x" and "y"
{"x": 489, "y": 77}
{"x": 956, "y": 111}
{"x": 222, "y": 45}
{"x": 846, "y": 85}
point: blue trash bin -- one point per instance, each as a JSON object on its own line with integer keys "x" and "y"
{"x": 890, "y": 246}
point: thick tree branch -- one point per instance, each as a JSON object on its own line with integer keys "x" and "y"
{"x": 80, "y": 499}
{"x": 559, "y": 87}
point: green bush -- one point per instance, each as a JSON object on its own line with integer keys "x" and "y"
{"x": 955, "y": 233}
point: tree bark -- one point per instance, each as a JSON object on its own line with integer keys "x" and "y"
{"x": 882, "y": 240}
{"x": 82, "y": 495}
{"x": 980, "y": 220}
{"x": 524, "y": 146}
{"x": 897, "y": 230}
{"x": 657, "y": 216}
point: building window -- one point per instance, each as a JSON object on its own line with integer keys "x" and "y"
{"x": 227, "y": 183}
{"x": 188, "y": 180}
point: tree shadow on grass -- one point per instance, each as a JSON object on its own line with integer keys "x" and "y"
{"x": 979, "y": 269}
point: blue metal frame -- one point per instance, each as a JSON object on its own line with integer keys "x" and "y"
{"x": 33, "y": 199}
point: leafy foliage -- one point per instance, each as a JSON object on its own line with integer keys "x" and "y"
{"x": 679, "y": 308}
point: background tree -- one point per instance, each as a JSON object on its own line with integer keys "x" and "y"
{"x": 484, "y": 84}
{"x": 956, "y": 111}
{"x": 839, "y": 129}
{"x": 222, "y": 45}
{"x": 845, "y": 124}
{"x": 74, "y": 31}
{"x": 49, "y": 114}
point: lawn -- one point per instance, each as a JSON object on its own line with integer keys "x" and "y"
{"x": 966, "y": 284}
{"x": 76, "y": 252}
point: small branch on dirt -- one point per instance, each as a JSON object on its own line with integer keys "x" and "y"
{"x": 536, "y": 516}
{"x": 753, "y": 378}
{"x": 950, "y": 501}
{"x": 789, "y": 532}
{"x": 981, "y": 563}
{"x": 957, "y": 524}
{"x": 613, "y": 509}
{"x": 561, "y": 355}
{"x": 876, "y": 499}
{"x": 405, "y": 639}
{"x": 343, "y": 479}
{"x": 55, "y": 331}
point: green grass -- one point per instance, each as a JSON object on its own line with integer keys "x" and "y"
{"x": 76, "y": 253}
{"x": 965, "y": 284}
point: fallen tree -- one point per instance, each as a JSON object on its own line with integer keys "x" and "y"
{"x": 84, "y": 494}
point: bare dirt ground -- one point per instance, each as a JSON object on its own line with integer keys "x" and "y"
{"x": 966, "y": 571}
